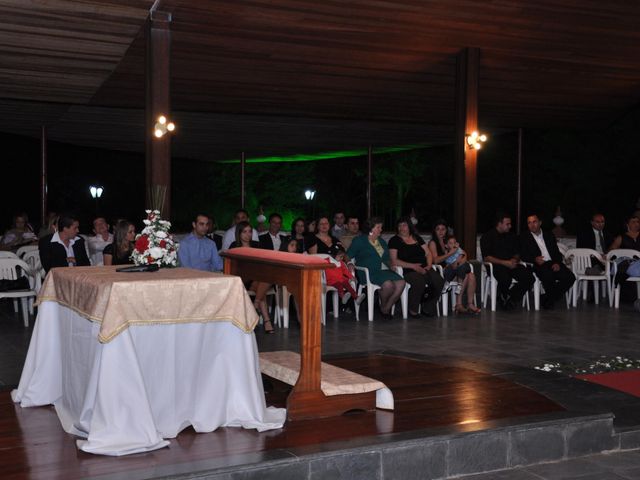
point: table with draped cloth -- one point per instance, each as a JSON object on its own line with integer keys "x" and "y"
{"x": 131, "y": 359}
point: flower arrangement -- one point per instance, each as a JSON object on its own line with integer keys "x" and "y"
{"x": 155, "y": 245}
{"x": 601, "y": 365}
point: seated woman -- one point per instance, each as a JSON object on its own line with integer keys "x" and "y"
{"x": 244, "y": 233}
{"x": 298, "y": 233}
{"x": 631, "y": 237}
{"x": 20, "y": 233}
{"x": 119, "y": 252}
{"x": 446, "y": 252}
{"x": 324, "y": 241}
{"x": 372, "y": 252}
{"x": 409, "y": 251}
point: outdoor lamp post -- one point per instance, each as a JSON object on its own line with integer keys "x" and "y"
{"x": 309, "y": 195}
{"x": 96, "y": 193}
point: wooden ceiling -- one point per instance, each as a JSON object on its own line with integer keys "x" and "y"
{"x": 278, "y": 77}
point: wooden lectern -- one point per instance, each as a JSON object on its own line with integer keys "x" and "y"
{"x": 302, "y": 276}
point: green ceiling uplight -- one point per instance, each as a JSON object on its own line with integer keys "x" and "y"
{"x": 326, "y": 155}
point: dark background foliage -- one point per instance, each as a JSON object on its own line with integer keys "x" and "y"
{"x": 579, "y": 171}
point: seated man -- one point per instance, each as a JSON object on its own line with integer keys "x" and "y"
{"x": 596, "y": 238}
{"x": 500, "y": 248}
{"x": 197, "y": 250}
{"x": 274, "y": 239}
{"x": 339, "y": 228}
{"x": 229, "y": 237}
{"x": 541, "y": 249}
{"x": 63, "y": 248}
{"x": 97, "y": 243}
{"x": 353, "y": 230}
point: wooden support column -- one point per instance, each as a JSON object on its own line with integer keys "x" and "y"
{"x": 243, "y": 161}
{"x": 43, "y": 175}
{"x": 369, "y": 177}
{"x": 158, "y": 150}
{"x": 466, "y": 181}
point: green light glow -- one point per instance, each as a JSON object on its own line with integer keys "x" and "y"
{"x": 327, "y": 155}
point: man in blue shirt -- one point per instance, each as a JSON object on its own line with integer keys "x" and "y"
{"x": 197, "y": 250}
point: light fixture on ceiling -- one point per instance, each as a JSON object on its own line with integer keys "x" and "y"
{"x": 162, "y": 126}
{"x": 475, "y": 140}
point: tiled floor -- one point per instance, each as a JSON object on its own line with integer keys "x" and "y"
{"x": 518, "y": 338}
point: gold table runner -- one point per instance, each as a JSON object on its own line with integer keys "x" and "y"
{"x": 170, "y": 295}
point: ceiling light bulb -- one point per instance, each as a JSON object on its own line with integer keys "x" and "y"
{"x": 477, "y": 146}
{"x": 158, "y": 133}
{"x": 483, "y": 138}
{"x": 171, "y": 126}
{"x": 162, "y": 119}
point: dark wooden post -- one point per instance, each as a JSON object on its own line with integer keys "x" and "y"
{"x": 519, "y": 208}
{"x": 43, "y": 175}
{"x": 369, "y": 175}
{"x": 242, "y": 171}
{"x": 158, "y": 150}
{"x": 466, "y": 210}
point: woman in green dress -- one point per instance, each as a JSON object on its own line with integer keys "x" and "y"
{"x": 372, "y": 252}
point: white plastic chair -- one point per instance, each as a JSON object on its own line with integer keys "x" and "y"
{"x": 611, "y": 257}
{"x": 489, "y": 288}
{"x": 443, "y": 302}
{"x": 371, "y": 289}
{"x": 32, "y": 258}
{"x": 454, "y": 287}
{"x": 580, "y": 259}
{"x": 13, "y": 269}
{"x": 26, "y": 248}
{"x": 5, "y": 254}
{"x": 328, "y": 289}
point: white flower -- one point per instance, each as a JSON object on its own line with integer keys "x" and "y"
{"x": 161, "y": 234}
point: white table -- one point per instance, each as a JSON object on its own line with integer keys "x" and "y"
{"x": 146, "y": 384}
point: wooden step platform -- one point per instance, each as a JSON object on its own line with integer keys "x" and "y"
{"x": 335, "y": 382}
{"x": 448, "y": 420}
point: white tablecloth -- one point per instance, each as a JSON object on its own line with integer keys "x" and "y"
{"x": 147, "y": 384}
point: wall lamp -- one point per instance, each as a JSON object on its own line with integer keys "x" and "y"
{"x": 309, "y": 194}
{"x": 475, "y": 140}
{"x": 163, "y": 126}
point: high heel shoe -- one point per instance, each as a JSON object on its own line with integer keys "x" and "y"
{"x": 268, "y": 327}
{"x": 459, "y": 308}
{"x": 473, "y": 309}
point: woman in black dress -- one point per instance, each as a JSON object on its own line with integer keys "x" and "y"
{"x": 408, "y": 250}
{"x": 119, "y": 252}
{"x": 244, "y": 233}
{"x": 324, "y": 241}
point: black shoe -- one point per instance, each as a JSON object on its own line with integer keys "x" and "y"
{"x": 508, "y": 304}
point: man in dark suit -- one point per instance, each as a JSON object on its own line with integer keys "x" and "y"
{"x": 500, "y": 248}
{"x": 541, "y": 249}
{"x": 273, "y": 239}
{"x": 595, "y": 237}
{"x": 64, "y": 248}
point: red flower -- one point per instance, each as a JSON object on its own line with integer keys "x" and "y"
{"x": 142, "y": 243}
{"x": 163, "y": 244}
{"x": 148, "y": 259}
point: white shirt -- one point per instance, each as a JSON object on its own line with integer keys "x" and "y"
{"x": 69, "y": 249}
{"x": 95, "y": 246}
{"x": 276, "y": 240}
{"x": 599, "y": 246}
{"x": 230, "y": 237}
{"x": 338, "y": 232}
{"x": 543, "y": 247}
